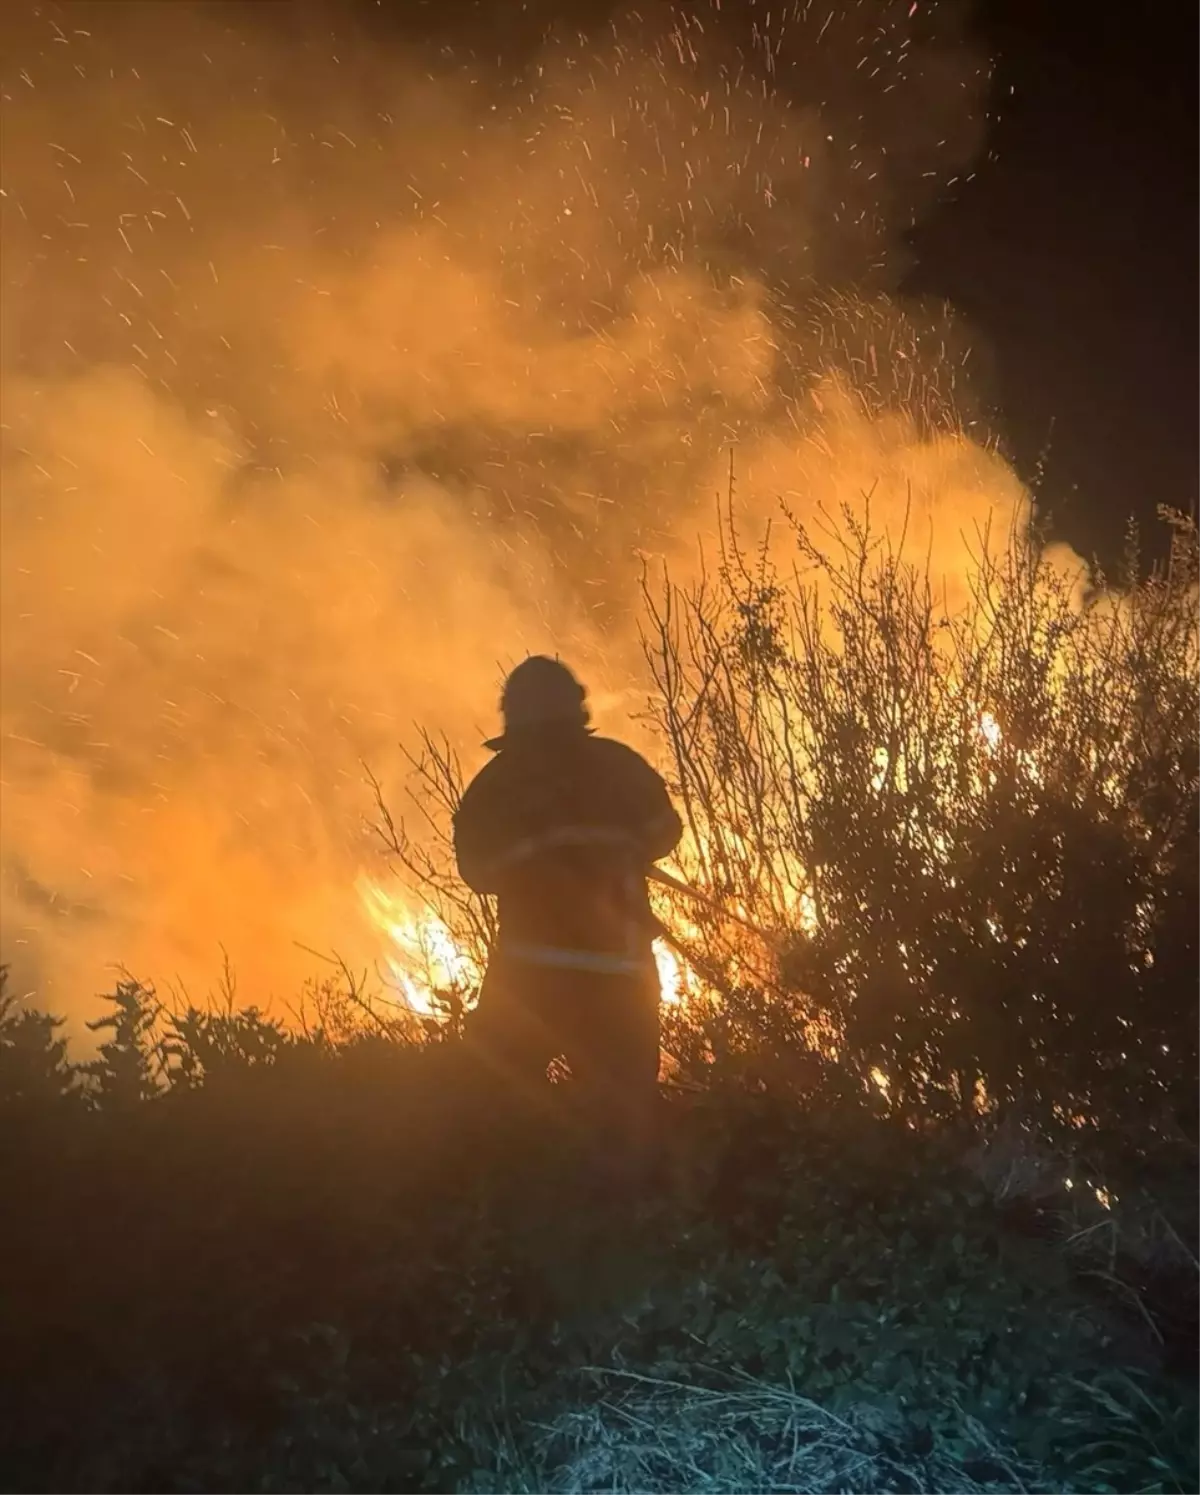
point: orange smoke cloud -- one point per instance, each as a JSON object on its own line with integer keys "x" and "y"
{"x": 338, "y": 374}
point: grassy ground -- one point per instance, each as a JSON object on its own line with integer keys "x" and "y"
{"x": 361, "y": 1274}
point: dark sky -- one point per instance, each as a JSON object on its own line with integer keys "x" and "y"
{"x": 1075, "y": 253}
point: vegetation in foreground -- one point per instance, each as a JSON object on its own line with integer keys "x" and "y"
{"x": 316, "y": 1267}
{"x": 242, "y": 1258}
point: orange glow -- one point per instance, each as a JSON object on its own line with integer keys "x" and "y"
{"x": 336, "y": 378}
{"x": 421, "y": 958}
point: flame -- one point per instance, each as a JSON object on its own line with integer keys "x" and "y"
{"x": 678, "y": 983}
{"x": 423, "y": 958}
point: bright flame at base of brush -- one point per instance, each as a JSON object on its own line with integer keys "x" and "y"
{"x": 422, "y": 959}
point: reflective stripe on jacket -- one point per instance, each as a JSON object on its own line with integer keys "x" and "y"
{"x": 558, "y": 958}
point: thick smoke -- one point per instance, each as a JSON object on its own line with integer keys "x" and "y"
{"x": 340, "y": 373}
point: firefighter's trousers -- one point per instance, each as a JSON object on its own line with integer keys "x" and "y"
{"x": 606, "y": 1027}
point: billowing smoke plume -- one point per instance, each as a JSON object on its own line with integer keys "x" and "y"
{"x": 340, "y": 373}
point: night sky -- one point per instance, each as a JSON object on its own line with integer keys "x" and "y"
{"x": 1074, "y": 252}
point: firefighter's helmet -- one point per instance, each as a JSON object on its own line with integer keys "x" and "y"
{"x": 541, "y": 693}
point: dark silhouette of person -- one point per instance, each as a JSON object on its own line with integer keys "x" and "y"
{"x": 561, "y": 826}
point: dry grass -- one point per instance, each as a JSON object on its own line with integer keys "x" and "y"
{"x": 645, "y": 1434}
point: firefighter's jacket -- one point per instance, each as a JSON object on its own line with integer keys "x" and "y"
{"x": 562, "y": 827}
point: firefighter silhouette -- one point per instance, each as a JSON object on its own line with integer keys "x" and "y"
{"x": 561, "y": 826}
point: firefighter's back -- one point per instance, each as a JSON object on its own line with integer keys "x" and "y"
{"x": 563, "y": 821}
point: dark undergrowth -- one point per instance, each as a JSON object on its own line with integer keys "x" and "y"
{"x": 367, "y": 1269}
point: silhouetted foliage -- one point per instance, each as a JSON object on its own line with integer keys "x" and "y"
{"x": 973, "y": 827}
{"x": 123, "y": 1074}
{"x": 359, "y": 1266}
{"x": 34, "y": 1069}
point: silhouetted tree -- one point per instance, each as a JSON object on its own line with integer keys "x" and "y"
{"x": 200, "y": 1046}
{"x": 34, "y": 1069}
{"x": 124, "y": 1073}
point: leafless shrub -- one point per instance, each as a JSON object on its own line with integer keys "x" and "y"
{"x": 426, "y": 865}
{"x": 971, "y": 830}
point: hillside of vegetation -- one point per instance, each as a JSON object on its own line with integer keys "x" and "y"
{"x": 360, "y": 1268}
{"x": 924, "y": 1216}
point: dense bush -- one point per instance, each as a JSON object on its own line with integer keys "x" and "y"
{"x": 314, "y": 1265}
{"x": 971, "y": 823}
